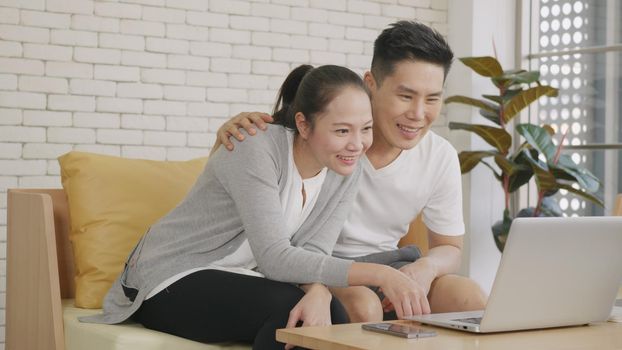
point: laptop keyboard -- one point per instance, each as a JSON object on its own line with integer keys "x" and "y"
{"x": 474, "y": 320}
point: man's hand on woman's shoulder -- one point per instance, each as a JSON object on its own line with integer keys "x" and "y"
{"x": 248, "y": 121}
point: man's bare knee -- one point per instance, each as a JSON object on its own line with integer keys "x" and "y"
{"x": 451, "y": 293}
{"x": 361, "y": 303}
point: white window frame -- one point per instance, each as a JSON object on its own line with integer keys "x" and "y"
{"x": 527, "y": 50}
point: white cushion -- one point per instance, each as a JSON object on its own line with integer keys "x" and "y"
{"x": 126, "y": 336}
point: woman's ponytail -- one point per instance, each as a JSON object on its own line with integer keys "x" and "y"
{"x": 283, "y": 115}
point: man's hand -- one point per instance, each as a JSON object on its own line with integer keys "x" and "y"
{"x": 404, "y": 295}
{"x": 422, "y": 275}
{"x": 421, "y": 272}
{"x": 313, "y": 309}
{"x": 248, "y": 121}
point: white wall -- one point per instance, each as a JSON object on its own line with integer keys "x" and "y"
{"x": 156, "y": 78}
{"x": 474, "y": 25}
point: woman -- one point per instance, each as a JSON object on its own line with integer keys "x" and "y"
{"x": 220, "y": 266}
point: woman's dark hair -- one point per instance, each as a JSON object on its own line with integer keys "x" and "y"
{"x": 408, "y": 40}
{"x": 309, "y": 90}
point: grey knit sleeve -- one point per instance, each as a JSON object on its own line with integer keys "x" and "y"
{"x": 250, "y": 174}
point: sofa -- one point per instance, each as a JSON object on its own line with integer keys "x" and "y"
{"x": 40, "y": 311}
{"x": 44, "y": 267}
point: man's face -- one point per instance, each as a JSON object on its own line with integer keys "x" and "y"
{"x": 405, "y": 104}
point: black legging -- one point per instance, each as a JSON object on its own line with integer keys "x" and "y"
{"x": 219, "y": 306}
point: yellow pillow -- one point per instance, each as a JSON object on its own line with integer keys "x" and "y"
{"x": 112, "y": 202}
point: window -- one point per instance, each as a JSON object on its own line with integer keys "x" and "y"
{"x": 577, "y": 47}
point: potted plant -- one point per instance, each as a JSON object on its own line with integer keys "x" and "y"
{"x": 515, "y": 163}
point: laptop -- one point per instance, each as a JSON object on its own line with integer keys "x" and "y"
{"x": 554, "y": 272}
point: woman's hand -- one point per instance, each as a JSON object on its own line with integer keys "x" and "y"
{"x": 313, "y": 309}
{"x": 247, "y": 121}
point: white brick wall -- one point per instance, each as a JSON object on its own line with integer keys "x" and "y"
{"x": 156, "y": 78}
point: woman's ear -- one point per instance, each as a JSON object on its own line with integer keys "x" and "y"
{"x": 303, "y": 126}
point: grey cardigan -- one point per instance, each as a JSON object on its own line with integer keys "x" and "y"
{"x": 237, "y": 198}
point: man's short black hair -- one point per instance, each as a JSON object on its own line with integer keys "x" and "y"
{"x": 409, "y": 40}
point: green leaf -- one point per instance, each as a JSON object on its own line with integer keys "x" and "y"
{"x": 523, "y": 146}
{"x": 585, "y": 179}
{"x": 486, "y": 109}
{"x": 513, "y": 71}
{"x": 550, "y": 207}
{"x": 507, "y": 166}
{"x": 509, "y": 94}
{"x": 493, "y": 117}
{"x": 501, "y": 230}
{"x": 494, "y": 98}
{"x": 485, "y": 66}
{"x": 496, "y": 137}
{"x": 518, "y": 174}
{"x": 517, "y": 77}
{"x": 583, "y": 194}
{"x": 562, "y": 174}
{"x": 539, "y": 138}
{"x": 524, "y": 99}
{"x": 526, "y": 77}
{"x": 469, "y": 159}
{"x": 471, "y": 102}
{"x": 524, "y": 174}
{"x": 545, "y": 180}
{"x": 497, "y": 176}
{"x": 518, "y": 179}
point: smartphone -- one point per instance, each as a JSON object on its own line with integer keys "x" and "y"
{"x": 400, "y": 330}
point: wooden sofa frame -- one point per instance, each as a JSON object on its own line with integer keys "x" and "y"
{"x": 40, "y": 268}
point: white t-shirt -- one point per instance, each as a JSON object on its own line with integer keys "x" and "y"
{"x": 242, "y": 261}
{"x": 425, "y": 178}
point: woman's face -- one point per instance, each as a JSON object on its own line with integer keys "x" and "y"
{"x": 342, "y": 133}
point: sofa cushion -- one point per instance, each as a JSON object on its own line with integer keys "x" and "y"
{"x": 112, "y": 202}
{"x": 126, "y": 336}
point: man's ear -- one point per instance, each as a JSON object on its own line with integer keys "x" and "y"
{"x": 303, "y": 126}
{"x": 370, "y": 81}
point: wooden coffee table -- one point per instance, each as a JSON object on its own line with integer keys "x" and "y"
{"x": 598, "y": 336}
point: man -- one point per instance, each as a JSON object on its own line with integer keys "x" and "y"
{"x": 409, "y": 169}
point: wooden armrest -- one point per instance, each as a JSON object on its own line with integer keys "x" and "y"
{"x": 33, "y": 300}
